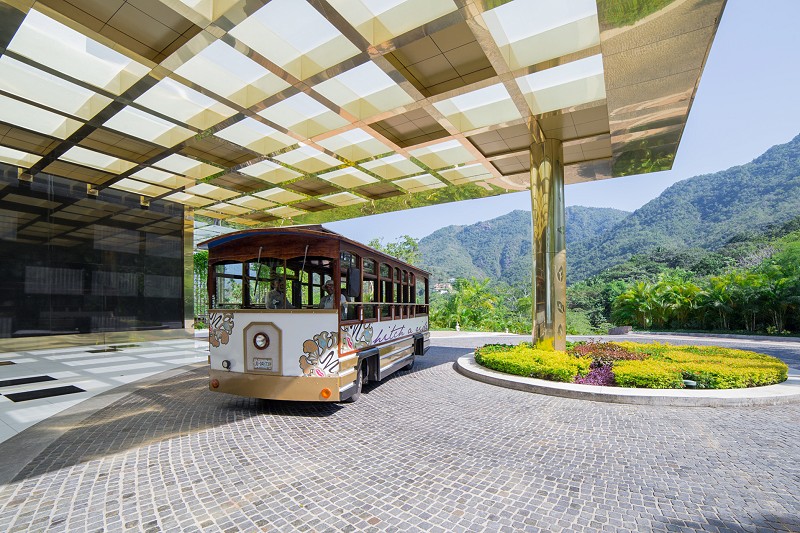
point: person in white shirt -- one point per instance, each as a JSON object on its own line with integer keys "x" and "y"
{"x": 327, "y": 301}
{"x": 276, "y": 298}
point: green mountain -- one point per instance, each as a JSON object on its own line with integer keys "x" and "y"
{"x": 500, "y": 248}
{"x": 705, "y": 211}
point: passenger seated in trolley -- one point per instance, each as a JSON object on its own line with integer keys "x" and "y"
{"x": 276, "y": 298}
{"x": 327, "y": 301}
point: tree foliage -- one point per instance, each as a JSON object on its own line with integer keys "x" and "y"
{"x": 482, "y": 305}
{"x": 200, "y": 289}
{"x": 405, "y": 248}
{"x": 763, "y": 297}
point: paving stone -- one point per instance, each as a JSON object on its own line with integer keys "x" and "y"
{"x": 425, "y": 450}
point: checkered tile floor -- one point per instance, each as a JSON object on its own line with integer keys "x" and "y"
{"x": 35, "y": 385}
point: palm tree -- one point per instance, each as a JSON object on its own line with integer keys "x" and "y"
{"x": 746, "y": 297}
{"x": 634, "y": 306}
{"x": 718, "y": 297}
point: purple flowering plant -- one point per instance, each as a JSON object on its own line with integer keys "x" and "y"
{"x": 598, "y": 375}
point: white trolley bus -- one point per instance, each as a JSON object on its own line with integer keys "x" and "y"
{"x": 303, "y": 313}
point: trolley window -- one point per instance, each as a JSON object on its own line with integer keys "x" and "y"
{"x": 369, "y": 293}
{"x": 386, "y": 291}
{"x": 349, "y": 263}
{"x": 229, "y": 283}
{"x": 422, "y": 296}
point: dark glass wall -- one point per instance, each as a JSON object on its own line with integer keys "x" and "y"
{"x": 70, "y": 263}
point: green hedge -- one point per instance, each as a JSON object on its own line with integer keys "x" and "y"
{"x": 524, "y": 360}
{"x": 648, "y": 374}
{"x": 665, "y": 366}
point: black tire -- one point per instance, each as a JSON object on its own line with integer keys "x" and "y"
{"x": 360, "y": 379}
{"x": 410, "y": 364}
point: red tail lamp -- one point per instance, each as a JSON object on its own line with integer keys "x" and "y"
{"x": 214, "y": 383}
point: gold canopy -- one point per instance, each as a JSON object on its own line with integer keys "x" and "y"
{"x": 304, "y": 111}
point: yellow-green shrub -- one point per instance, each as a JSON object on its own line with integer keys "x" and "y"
{"x": 666, "y": 367}
{"x": 712, "y": 367}
{"x": 524, "y": 360}
{"x": 725, "y": 368}
{"x": 648, "y": 374}
{"x": 712, "y": 376}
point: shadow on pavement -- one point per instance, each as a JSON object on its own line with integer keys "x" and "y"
{"x": 159, "y": 411}
{"x": 766, "y": 522}
{"x": 167, "y": 409}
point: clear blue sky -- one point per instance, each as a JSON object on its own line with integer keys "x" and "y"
{"x": 747, "y": 101}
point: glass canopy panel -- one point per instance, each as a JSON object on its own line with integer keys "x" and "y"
{"x": 285, "y": 211}
{"x": 308, "y": 159}
{"x": 187, "y": 166}
{"x": 165, "y": 179}
{"x": 186, "y": 105}
{"x": 355, "y": 145}
{"x": 137, "y": 187}
{"x": 256, "y": 136}
{"x": 531, "y": 31}
{"x": 571, "y": 84}
{"x": 211, "y": 214}
{"x": 252, "y": 203}
{"x": 364, "y": 91}
{"x": 211, "y": 191}
{"x": 141, "y": 125}
{"x": 244, "y": 221}
{"x": 18, "y": 158}
{"x": 348, "y": 178}
{"x": 304, "y": 116}
{"x": 477, "y": 109}
{"x": 36, "y": 119}
{"x": 279, "y": 195}
{"x": 229, "y": 209}
{"x": 423, "y": 182}
{"x": 392, "y": 167}
{"x": 188, "y": 199}
{"x": 444, "y": 154}
{"x": 232, "y": 75}
{"x": 342, "y": 199}
{"x": 466, "y": 174}
{"x": 92, "y": 159}
{"x": 269, "y": 171}
{"x": 294, "y": 36}
{"x": 38, "y": 86}
{"x": 63, "y": 49}
{"x": 381, "y": 20}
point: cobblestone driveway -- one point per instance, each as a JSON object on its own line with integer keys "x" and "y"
{"x": 425, "y": 450}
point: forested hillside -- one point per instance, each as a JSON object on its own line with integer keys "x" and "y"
{"x": 752, "y": 284}
{"x": 704, "y": 211}
{"x": 500, "y": 248}
{"x": 701, "y": 212}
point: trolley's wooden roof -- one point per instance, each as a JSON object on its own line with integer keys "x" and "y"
{"x": 314, "y": 230}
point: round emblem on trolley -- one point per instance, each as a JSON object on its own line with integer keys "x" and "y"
{"x": 261, "y": 340}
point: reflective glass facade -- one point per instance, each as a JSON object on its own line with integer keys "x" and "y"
{"x": 71, "y": 263}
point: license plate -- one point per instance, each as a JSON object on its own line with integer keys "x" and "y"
{"x": 262, "y": 364}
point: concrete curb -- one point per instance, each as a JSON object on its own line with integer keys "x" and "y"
{"x": 783, "y": 393}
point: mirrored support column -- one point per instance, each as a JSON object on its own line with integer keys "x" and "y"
{"x": 549, "y": 251}
{"x": 188, "y": 269}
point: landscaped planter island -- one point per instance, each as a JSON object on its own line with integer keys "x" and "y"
{"x": 634, "y": 365}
